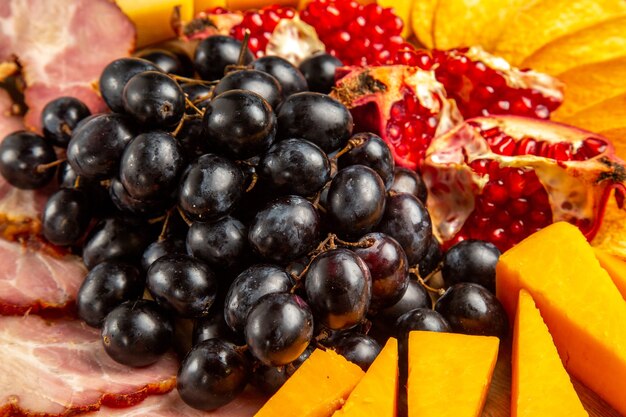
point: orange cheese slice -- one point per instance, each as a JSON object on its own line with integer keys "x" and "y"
{"x": 578, "y": 301}
{"x": 317, "y": 389}
{"x": 375, "y": 395}
{"x": 540, "y": 385}
{"x": 449, "y": 374}
{"x": 616, "y": 268}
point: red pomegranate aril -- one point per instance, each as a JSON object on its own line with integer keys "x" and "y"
{"x": 483, "y": 84}
{"x": 495, "y": 192}
{"x": 516, "y": 227}
{"x": 518, "y": 207}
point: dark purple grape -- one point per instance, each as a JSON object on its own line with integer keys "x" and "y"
{"x": 295, "y": 166}
{"x": 215, "y": 53}
{"x": 319, "y": 72}
{"x": 156, "y": 250}
{"x": 66, "y": 216}
{"x": 370, "y": 150}
{"x": 97, "y": 145}
{"x": 213, "y": 326}
{"x": 210, "y": 188}
{"x": 241, "y": 123}
{"x": 290, "y": 78}
{"x": 408, "y": 181}
{"x": 154, "y": 100}
{"x": 317, "y": 118}
{"x": 388, "y": 267}
{"x": 415, "y": 296}
{"x": 357, "y": 348}
{"x": 407, "y": 221}
{"x": 192, "y": 139}
{"x": 423, "y": 319}
{"x": 116, "y": 238}
{"x": 183, "y": 285}
{"x": 471, "y": 261}
{"x": 212, "y": 374}
{"x": 137, "y": 333}
{"x": 285, "y": 230}
{"x": 356, "y": 201}
{"x": 116, "y": 75}
{"x": 472, "y": 309}
{"x": 270, "y": 378}
{"x": 278, "y": 329}
{"x": 338, "y": 287}
{"x": 253, "y": 80}
{"x": 432, "y": 259}
{"x": 151, "y": 165}
{"x": 59, "y": 118}
{"x": 248, "y": 288}
{"x": 21, "y": 153}
{"x": 105, "y": 287}
{"x": 126, "y": 203}
{"x": 168, "y": 62}
{"x": 222, "y": 244}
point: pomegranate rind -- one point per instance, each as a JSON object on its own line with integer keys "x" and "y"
{"x": 294, "y": 40}
{"x": 577, "y": 190}
{"x": 380, "y": 87}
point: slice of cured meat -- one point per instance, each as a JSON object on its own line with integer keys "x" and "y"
{"x": 62, "y": 47}
{"x": 32, "y": 281}
{"x": 170, "y": 405}
{"x": 8, "y": 122}
{"x": 60, "y": 368}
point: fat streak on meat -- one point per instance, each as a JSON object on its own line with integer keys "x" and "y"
{"x": 170, "y": 405}
{"x": 60, "y": 368}
{"x": 62, "y": 47}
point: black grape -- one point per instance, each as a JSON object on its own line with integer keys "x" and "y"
{"x": 285, "y": 229}
{"x": 105, "y": 287}
{"x": 116, "y": 75}
{"x": 137, "y": 333}
{"x": 59, "y": 118}
{"x": 21, "y": 153}
{"x": 338, "y": 287}
{"x": 66, "y": 216}
{"x": 249, "y": 286}
{"x": 212, "y": 374}
{"x": 278, "y": 328}
{"x": 215, "y": 53}
{"x": 317, "y": 118}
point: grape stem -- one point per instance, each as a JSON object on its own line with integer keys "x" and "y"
{"x": 77, "y": 181}
{"x": 193, "y": 106}
{"x": 242, "y": 54}
{"x": 182, "y": 216}
{"x": 182, "y": 123}
{"x": 423, "y": 281}
{"x": 188, "y": 80}
{"x": 325, "y": 245}
{"x": 166, "y": 222}
{"x": 352, "y": 143}
{"x": 44, "y": 167}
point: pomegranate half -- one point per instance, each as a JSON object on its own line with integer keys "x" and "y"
{"x": 501, "y": 178}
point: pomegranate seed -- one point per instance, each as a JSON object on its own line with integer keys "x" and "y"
{"x": 518, "y": 206}
{"x": 495, "y": 193}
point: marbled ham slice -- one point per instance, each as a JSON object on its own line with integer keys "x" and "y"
{"x": 8, "y": 122}
{"x": 35, "y": 281}
{"x": 62, "y": 46}
{"x": 170, "y": 405}
{"x": 60, "y": 368}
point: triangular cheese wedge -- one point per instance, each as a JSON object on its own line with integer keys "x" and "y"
{"x": 540, "y": 385}
{"x": 578, "y": 301}
{"x": 376, "y": 393}
{"x": 449, "y": 374}
{"x": 317, "y": 389}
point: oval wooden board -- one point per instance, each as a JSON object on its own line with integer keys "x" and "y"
{"x": 499, "y": 399}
